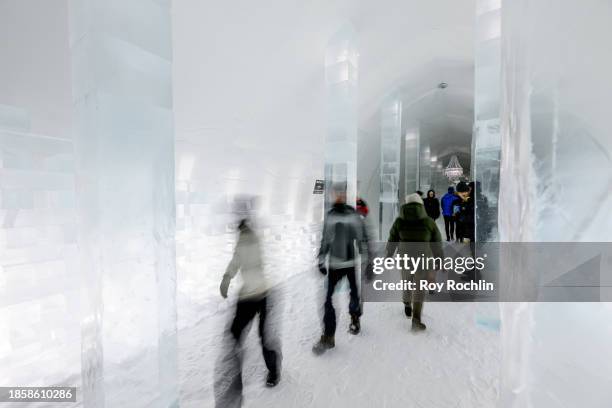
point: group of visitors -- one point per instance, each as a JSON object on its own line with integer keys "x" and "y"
{"x": 457, "y": 209}
{"x": 344, "y": 243}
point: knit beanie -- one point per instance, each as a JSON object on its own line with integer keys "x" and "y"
{"x": 414, "y": 198}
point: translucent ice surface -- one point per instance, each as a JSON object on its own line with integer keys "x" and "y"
{"x": 390, "y": 149}
{"x": 555, "y": 183}
{"x": 424, "y": 165}
{"x": 341, "y": 67}
{"x": 39, "y": 332}
{"x": 485, "y": 139}
{"x": 14, "y": 118}
{"x": 411, "y": 151}
{"x": 124, "y": 140}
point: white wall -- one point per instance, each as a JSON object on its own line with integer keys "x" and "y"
{"x": 35, "y": 67}
{"x": 39, "y": 322}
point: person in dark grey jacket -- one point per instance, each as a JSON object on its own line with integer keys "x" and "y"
{"x": 343, "y": 231}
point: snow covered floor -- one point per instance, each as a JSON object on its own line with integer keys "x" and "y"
{"x": 455, "y": 363}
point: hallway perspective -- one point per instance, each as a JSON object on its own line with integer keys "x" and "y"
{"x": 291, "y": 203}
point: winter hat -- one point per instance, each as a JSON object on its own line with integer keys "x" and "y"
{"x": 451, "y": 190}
{"x": 414, "y": 198}
{"x": 462, "y": 187}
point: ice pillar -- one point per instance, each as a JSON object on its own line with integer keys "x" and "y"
{"x": 424, "y": 165}
{"x": 341, "y": 68}
{"x": 390, "y": 149}
{"x": 122, "y": 97}
{"x": 439, "y": 182}
{"x": 486, "y": 140}
{"x": 555, "y": 157}
{"x": 411, "y": 160}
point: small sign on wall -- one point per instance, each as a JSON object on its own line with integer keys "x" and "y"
{"x": 319, "y": 187}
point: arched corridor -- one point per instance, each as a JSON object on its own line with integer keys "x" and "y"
{"x": 184, "y": 186}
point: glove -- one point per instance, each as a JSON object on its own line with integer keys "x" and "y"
{"x": 322, "y": 269}
{"x": 224, "y": 286}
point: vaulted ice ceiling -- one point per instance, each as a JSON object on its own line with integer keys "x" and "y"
{"x": 410, "y": 48}
{"x": 252, "y": 77}
{"x": 239, "y": 62}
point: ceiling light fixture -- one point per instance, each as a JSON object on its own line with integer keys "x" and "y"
{"x": 454, "y": 170}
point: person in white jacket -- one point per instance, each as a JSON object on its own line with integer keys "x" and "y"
{"x": 252, "y": 296}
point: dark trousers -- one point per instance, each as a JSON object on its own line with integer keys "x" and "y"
{"x": 333, "y": 277}
{"x": 449, "y": 227}
{"x": 459, "y": 233}
{"x": 414, "y": 298}
{"x": 245, "y": 312}
{"x": 228, "y": 369}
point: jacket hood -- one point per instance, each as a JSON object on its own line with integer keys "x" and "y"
{"x": 412, "y": 211}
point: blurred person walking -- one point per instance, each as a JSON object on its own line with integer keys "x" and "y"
{"x": 343, "y": 230}
{"x": 432, "y": 205}
{"x": 253, "y": 299}
{"x": 414, "y": 226}
{"x": 447, "y": 213}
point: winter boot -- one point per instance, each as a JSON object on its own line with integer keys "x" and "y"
{"x": 326, "y": 343}
{"x": 417, "y": 325}
{"x": 355, "y": 326}
{"x": 273, "y": 379}
{"x": 407, "y": 310}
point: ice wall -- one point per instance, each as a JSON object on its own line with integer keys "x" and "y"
{"x": 212, "y": 173}
{"x": 424, "y": 164}
{"x": 555, "y": 183}
{"x": 122, "y": 96}
{"x": 12, "y": 118}
{"x": 39, "y": 334}
{"x": 390, "y": 154}
{"x": 411, "y": 160}
{"x": 341, "y": 69}
{"x": 486, "y": 139}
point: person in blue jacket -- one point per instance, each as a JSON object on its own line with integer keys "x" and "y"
{"x": 447, "y": 212}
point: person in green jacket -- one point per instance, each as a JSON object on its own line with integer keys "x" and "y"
{"x": 414, "y": 226}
